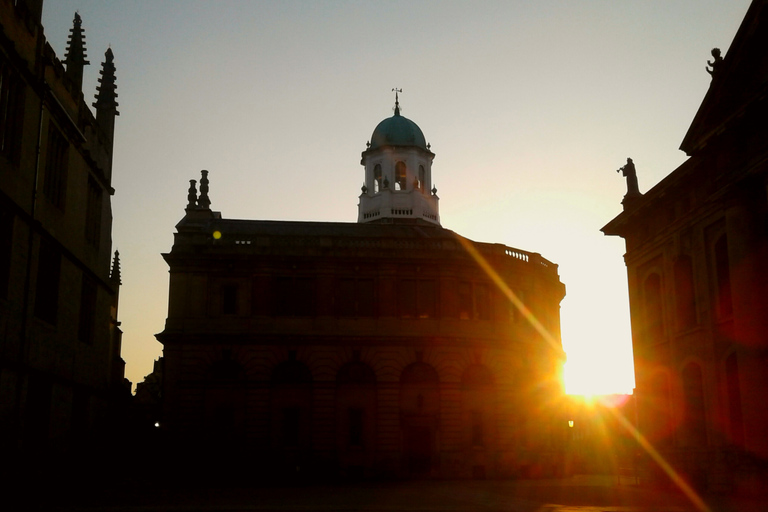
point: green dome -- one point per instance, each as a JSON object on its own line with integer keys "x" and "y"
{"x": 398, "y": 131}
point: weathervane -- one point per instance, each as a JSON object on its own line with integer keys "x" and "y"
{"x": 397, "y": 102}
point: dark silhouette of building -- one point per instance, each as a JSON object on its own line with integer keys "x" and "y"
{"x": 60, "y": 364}
{"x": 696, "y": 264}
{"x": 390, "y": 346}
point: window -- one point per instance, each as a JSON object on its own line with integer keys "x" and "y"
{"x": 400, "y": 176}
{"x": 736, "y": 420}
{"x": 465, "y": 300}
{"x": 694, "y": 426}
{"x": 88, "y": 292}
{"x": 47, "y": 287}
{"x": 229, "y": 299}
{"x": 477, "y": 428}
{"x": 356, "y": 422}
{"x": 6, "y": 242}
{"x": 684, "y": 296}
{"x": 11, "y": 113}
{"x": 291, "y": 426}
{"x": 55, "y": 184}
{"x": 482, "y": 302}
{"x": 294, "y": 296}
{"x": 654, "y": 322}
{"x": 422, "y": 178}
{"x": 377, "y": 179}
{"x": 355, "y": 297}
{"x": 417, "y": 298}
{"x": 723, "y": 275}
{"x": 93, "y": 213}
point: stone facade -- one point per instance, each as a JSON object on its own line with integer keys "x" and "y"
{"x": 60, "y": 364}
{"x": 391, "y": 346}
{"x": 696, "y": 251}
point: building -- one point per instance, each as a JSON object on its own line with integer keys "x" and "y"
{"x": 696, "y": 252}
{"x": 390, "y": 346}
{"x": 60, "y": 364}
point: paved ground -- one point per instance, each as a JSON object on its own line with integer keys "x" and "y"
{"x": 578, "y": 493}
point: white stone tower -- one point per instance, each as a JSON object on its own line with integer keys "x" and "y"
{"x": 398, "y": 174}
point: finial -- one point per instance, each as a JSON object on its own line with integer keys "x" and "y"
{"x": 364, "y": 189}
{"x": 715, "y": 62}
{"x": 434, "y": 190}
{"x": 204, "y": 202}
{"x": 368, "y": 144}
{"x": 397, "y": 102}
{"x": 192, "y": 195}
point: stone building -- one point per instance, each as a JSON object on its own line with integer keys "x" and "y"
{"x": 390, "y": 346}
{"x": 696, "y": 252}
{"x": 60, "y": 363}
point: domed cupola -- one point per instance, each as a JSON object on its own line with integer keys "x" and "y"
{"x": 398, "y": 173}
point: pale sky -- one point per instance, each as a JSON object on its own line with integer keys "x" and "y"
{"x": 529, "y": 106}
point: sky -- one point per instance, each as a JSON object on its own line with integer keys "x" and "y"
{"x": 530, "y": 107}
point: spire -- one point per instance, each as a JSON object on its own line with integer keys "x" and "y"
{"x": 75, "y": 56}
{"x": 105, "y": 98}
{"x": 114, "y": 277}
{"x": 397, "y": 102}
{"x": 106, "y": 106}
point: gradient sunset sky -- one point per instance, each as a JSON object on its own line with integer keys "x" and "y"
{"x": 530, "y": 107}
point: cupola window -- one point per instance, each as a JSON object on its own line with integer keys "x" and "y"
{"x": 377, "y": 179}
{"x": 422, "y": 177}
{"x": 400, "y": 176}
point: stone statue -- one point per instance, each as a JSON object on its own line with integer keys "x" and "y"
{"x": 715, "y": 62}
{"x": 630, "y": 173}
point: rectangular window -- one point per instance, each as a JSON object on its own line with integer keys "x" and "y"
{"x": 229, "y": 299}
{"x": 93, "y": 213}
{"x": 11, "y": 113}
{"x": 355, "y": 297}
{"x": 406, "y": 298}
{"x": 6, "y": 243}
{"x": 426, "y": 299}
{"x": 465, "y": 300}
{"x": 366, "y": 298}
{"x": 482, "y": 302}
{"x": 356, "y": 422}
{"x": 477, "y": 428}
{"x": 47, "y": 287}
{"x": 294, "y": 296}
{"x": 55, "y": 184}
{"x": 345, "y": 297}
{"x": 87, "y": 309}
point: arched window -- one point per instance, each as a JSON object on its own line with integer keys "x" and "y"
{"x": 654, "y": 320}
{"x": 355, "y": 406}
{"x": 694, "y": 427}
{"x": 735, "y": 418}
{"x": 723, "y": 273}
{"x": 291, "y": 396}
{"x": 654, "y": 409}
{"x": 422, "y": 178}
{"x": 684, "y": 295}
{"x": 400, "y": 176}
{"x": 377, "y": 179}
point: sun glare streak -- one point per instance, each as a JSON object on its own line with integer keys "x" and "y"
{"x": 499, "y": 282}
{"x": 659, "y": 459}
